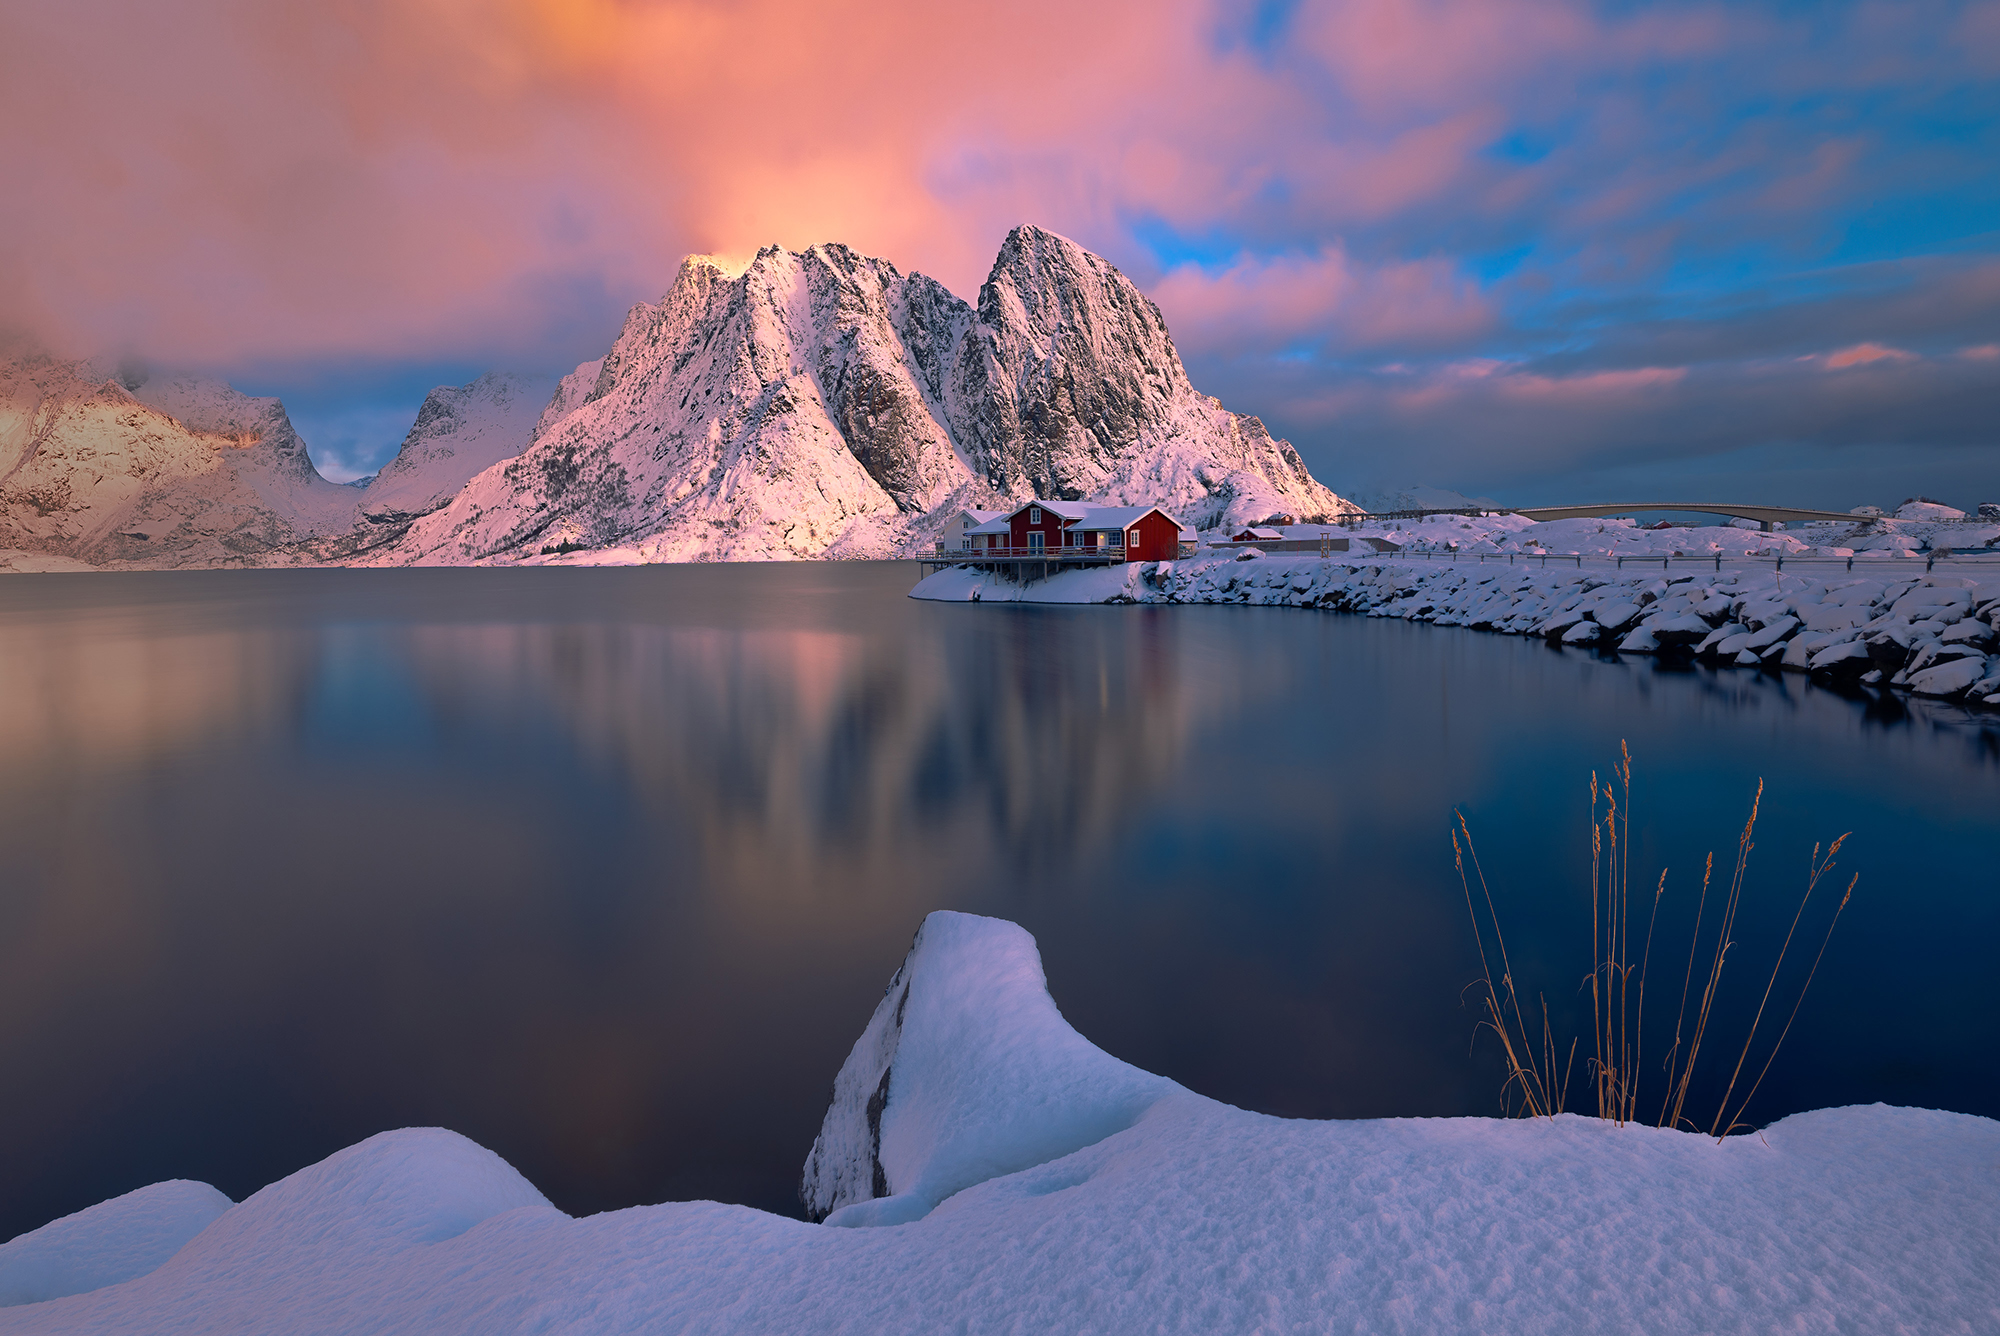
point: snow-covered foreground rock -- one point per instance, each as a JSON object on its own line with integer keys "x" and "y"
{"x": 1019, "y": 1179}
{"x": 1935, "y": 634}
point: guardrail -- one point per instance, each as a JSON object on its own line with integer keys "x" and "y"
{"x": 1931, "y": 560}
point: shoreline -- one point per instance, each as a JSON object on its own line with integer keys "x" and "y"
{"x": 1932, "y": 633}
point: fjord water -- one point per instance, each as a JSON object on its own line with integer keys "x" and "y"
{"x": 606, "y": 869}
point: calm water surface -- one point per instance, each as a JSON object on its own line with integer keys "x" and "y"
{"x": 607, "y": 868}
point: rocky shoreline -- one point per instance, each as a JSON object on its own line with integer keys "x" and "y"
{"x": 1932, "y": 634}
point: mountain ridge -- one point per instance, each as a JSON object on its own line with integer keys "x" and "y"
{"x": 811, "y": 404}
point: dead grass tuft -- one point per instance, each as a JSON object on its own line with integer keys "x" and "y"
{"x": 1616, "y": 984}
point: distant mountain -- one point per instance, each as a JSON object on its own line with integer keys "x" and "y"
{"x": 1416, "y": 496}
{"x": 108, "y": 466}
{"x": 823, "y": 404}
{"x": 459, "y": 432}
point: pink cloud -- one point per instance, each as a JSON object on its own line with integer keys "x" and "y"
{"x": 213, "y": 180}
{"x": 1861, "y": 354}
{"x": 1326, "y": 300}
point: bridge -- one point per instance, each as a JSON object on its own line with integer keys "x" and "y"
{"x": 1765, "y": 515}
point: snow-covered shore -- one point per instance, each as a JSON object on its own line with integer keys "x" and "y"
{"x": 1000, "y": 1173}
{"x": 1884, "y": 623}
{"x": 1916, "y": 529}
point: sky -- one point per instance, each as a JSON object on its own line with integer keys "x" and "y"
{"x": 1546, "y": 252}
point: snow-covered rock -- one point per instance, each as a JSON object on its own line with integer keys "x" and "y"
{"x": 106, "y": 1244}
{"x": 1928, "y": 510}
{"x": 966, "y": 1072}
{"x": 1092, "y": 1197}
{"x": 824, "y": 404}
{"x": 120, "y": 468}
{"x": 1909, "y": 626}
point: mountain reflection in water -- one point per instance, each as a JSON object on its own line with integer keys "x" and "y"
{"x": 606, "y": 869}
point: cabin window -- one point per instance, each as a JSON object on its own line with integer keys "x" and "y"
{"x": 1117, "y": 538}
{"x": 1034, "y": 514}
{"x": 1133, "y": 540}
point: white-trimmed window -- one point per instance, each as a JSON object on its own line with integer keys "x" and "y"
{"x": 1034, "y": 514}
{"x": 1132, "y": 539}
{"x": 1117, "y": 537}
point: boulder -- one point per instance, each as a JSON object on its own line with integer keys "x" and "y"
{"x": 1888, "y": 651}
{"x": 1640, "y": 641}
{"x": 1720, "y": 634}
{"x": 1948, "y": 679}
{"x": 1772, "y": 632}
{"x": 1848, "y": 659}
{"x": 1616, "y": 614}
{"x": 1686, "y": 629}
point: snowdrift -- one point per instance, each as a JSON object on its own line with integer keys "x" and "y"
{"x": 1020, "y": 1179}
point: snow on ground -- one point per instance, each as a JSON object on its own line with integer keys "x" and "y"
{"x": 1038, "y": 1184}
{"x": 1887, "y": 622}
{"x": 13, "y": 561}
{"x": 1915, "y": 529}
{"x": 110, "y": 1242}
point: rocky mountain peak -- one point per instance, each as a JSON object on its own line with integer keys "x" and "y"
{"x": 823, "y": 403}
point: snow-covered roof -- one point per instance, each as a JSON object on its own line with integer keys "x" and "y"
{"x": 1262, "y": 533}
{"x": 1116, "y": 517}
{"x": 1069, "y": 510}
{"x": 1080, "y": 516}
{"x": 982, "y": 516}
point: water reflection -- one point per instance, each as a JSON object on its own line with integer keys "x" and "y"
{"x": 607, "y": 869}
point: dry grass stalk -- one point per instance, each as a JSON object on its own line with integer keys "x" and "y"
{"x": 1524, "y": 1075}
{"x": 1617, "y": 985}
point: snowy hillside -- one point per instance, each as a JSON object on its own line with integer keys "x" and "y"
{"x": 996, "y": 1171}
{"x": 824, "y": 404}
{"x": 158, "y": 472}
{"x": 460, "y": 431}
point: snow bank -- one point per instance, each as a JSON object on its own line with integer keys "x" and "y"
{"x": 1092, "y": 1197}
{"x": 1935, "y": 635}
{"x": 113, "y": 1241}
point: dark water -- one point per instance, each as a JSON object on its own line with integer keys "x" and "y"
{"x": 606, "y": 869}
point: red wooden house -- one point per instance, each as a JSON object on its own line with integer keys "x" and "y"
{"x": 1075, "y": 531}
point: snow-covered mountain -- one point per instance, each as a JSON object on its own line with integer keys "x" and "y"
{"x": 460, "y": 431}
{"x": 824, "y": 404}
{"x": 110, "y": 466}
